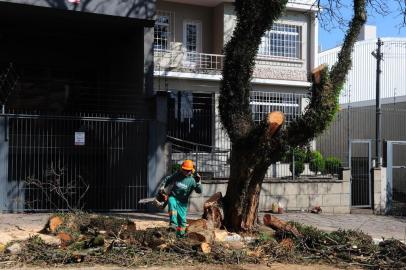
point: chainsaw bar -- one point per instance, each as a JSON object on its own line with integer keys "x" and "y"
{"x": 146, "y": 200}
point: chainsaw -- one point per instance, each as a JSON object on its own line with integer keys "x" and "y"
{"x": 161, "y": 199}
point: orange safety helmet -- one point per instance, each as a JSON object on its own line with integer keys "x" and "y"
{"x": 188, "y": 165}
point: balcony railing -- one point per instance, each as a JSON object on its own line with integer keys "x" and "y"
{"x": 202, "y": 63}
{"x": 188, "y": 61}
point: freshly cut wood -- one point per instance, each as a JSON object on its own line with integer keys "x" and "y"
{"x": 235, "y": 245}
{"x": 278, "y": 224}
{"x": 53, "y": 224}
{"x": 197, "y": 225}
{"x": 287, "y": 244}
{"x": 220, "y": 235}
{"x": 205, "y": 247}
{"x": 275, "y": 120}
{"x": 204, "y": 236}
{"x": 2, "y": 248}
{"x": 212, "y": 211}
{"x": 65, "y": 238}
{"x": 316, "y": 73}
{"x": 214, "y": 200}
{"x": 224, "y": 236}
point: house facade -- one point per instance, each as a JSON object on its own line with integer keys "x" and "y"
{"x": 188, "y": 41}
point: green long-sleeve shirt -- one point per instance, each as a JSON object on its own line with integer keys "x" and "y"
{"x": 183, "y": 186}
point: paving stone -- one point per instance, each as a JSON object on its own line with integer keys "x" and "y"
{"x": 376, "y": 226}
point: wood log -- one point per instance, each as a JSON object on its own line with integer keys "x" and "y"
{"x": 212, "y": 211}
{"x": 205, "y": 247}
{"x": 275, "y": 120}
{"x": 53, "y": 223}
{"x": 197, "y": 225}
{"x": 220, "y": 235}
{"x": 278, "y": 224}
{"x": 287, "y": 244}
{"x": 65, "y": 238}
{"x": 204, "y": 236}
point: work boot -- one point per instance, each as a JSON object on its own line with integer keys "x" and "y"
{"x": 172, "y": 228}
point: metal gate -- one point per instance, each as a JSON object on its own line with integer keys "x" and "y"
{"x": 360, "y": 165}
{"x": 88, "y": 161}
{"x": 396, "y": 176}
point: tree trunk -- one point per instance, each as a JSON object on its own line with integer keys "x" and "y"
{"x": 243, "y": 190}
{"x": 254, "y": 145}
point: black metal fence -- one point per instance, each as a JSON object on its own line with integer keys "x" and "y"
{"x": 190, "y": 117}
{"x": 89, "y": 161}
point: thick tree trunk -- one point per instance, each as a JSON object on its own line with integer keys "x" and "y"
{"x": 253, "y": 145}
{"x": 240, "y": 169}
{"x": 243, "y": 191}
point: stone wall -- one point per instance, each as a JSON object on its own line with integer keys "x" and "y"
{"x": 332, "y": 195}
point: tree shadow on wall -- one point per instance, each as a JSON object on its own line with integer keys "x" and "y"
{"x": 124, "y": 8}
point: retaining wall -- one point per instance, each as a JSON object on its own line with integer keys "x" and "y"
{"x": 332, "y": 195}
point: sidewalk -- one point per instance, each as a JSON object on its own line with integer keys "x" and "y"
{"x": 21, "y": 226}
{"x": 377, "y": 226}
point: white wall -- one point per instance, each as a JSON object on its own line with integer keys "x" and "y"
{"x": 361, "y": 80}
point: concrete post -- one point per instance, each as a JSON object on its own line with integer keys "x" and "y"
{"x": 379, "y": 194}
{"x": 157, "y": 161}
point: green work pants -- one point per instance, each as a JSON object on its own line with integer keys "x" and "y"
{"x": 177, "y": 215}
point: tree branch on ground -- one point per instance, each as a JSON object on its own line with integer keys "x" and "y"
{"x": 54, "y": 186}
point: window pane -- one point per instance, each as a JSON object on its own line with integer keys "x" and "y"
{"x": 282, "y": 40}
{"x": 191, "y": 37}
{"x": 161, "y": 32}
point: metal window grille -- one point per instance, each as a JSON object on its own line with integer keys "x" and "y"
{"x": 163, "y": 30}
{"x": 283, "y": 40}
{"x": 290, "y": 104}
{"x": 191, "y": 37}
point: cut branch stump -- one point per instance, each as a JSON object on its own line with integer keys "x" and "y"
{"x": 213, "y": 211}
{"x": 280, "y": 225}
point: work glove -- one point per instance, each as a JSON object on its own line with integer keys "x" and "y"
{"x": 197, "y": 177}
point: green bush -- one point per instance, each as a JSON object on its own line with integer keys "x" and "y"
{"x": 332, "y": 165}
{"x": 300, "y": 155}
{"x": 316, "y": 162}
{"x": 299, "y": 167}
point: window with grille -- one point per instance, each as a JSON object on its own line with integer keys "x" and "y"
{"x": 263, "y": 103}
{"x": 283, "y": 40}
{"x": 190, "y": 116}
{"x": 162, "y": 30}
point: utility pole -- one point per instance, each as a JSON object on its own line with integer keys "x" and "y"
{"x": 378, "y": 135}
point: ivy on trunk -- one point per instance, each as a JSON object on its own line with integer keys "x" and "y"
{"x": 254, "y": 148}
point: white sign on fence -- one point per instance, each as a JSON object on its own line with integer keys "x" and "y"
{"x": 79, "y": 138}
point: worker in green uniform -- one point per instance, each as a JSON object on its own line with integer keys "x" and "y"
{"x": 183, "y": 182}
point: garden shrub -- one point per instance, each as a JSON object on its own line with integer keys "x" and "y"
{"x": 332, "y": 165}
{"x": 316, "y": 162}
